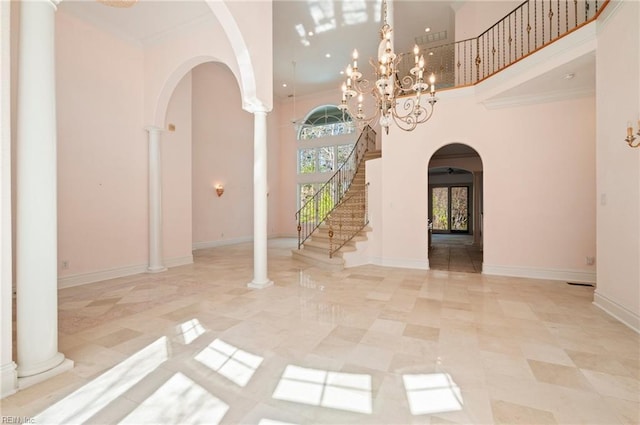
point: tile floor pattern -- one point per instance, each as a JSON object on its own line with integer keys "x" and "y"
{"x": 454, "y": 252}
{"x": 367, "y": 345}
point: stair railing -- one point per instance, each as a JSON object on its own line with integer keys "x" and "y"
{"x": 316, "y": 209}
{"x": 350, "y": 216}
{"x": 523, "y": 31}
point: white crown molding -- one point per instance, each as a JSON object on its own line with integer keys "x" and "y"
{"x": 515, "y": 101}
{"x": 617, "y": 311}
{"x": 607, "y": 13}
{"x": 578, "y": 276}
{"x": 114, "y": 273}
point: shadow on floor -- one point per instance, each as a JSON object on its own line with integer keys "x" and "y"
{"x": 455, "y": 252}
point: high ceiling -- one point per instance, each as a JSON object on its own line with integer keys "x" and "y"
{"x": 300, "y": 62}
{"x": 305, "y": 32}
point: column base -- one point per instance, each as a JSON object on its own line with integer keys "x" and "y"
{"x": 260, "y": 285}
{"x": 28, "y": 381}
{"x": 156, "y": 269}
{"x": 8, "y": 380}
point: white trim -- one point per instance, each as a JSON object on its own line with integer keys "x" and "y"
{"x": 114, "y": 273}
{"x": 514, "y": 101}
{"x": 178, "y": 261}
{"x": 401, "y": 263}
{"x": 579, "y": 276}
{"x": 29, "y": 381}
{"x": 214, "y": 244}
{"x": 607, "y": 13}
{"x": 617, "y": 311}
{"x": 8, "y": 379}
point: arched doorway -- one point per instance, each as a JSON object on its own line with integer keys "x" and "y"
{"x": 455, "y": 209}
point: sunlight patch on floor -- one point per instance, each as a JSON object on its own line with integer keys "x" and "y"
{"x": 85, "y": 402}
{"x": 178, "y": 401}
{"x": 432, "y": 393}
{"x": 190, "y": 330}
{"x": 344, "y": 391}
{"x": 231, "y": 362}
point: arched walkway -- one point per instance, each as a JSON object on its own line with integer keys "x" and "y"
{"x": 455, "y": 209}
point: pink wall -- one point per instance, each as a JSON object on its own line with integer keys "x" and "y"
{"x": 168, "y": 61}
{"x": 176, "y": 175}
{"x": 539, "y": 183}
{"x": 618, "y": 165}
{"x": 222, "y": 153}
{"x": 102, "y": 149}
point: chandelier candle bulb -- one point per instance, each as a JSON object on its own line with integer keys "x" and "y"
{"x": 392, "y": 91}
{"x": 629, "y": 130}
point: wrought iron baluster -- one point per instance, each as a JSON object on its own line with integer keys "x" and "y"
{"x": 542, "y": 19}
{"x": 522, "y": 31}
{"x": 550, "y": 20}
{"x": 528, "y": 28}
{"x": 558, "y": 19}
{"x": 586, "y": 11}
{"x": 535, "y": 25}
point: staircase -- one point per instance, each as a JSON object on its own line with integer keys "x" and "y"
{"x": 343, "y": 228}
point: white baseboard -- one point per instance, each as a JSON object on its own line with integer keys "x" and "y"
{"x": 578, "y": 276}
{"x": 178, "y": 261}
{"x": 224, "y": 242}
{"x": 617, "y": 311}
{"x": 8, "y": 379}
{"x": 116, "y": 272}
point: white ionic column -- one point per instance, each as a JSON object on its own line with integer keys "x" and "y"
{"x": 36, "y": 198}
{"x": 477, "y": 216}
{"x": 155, "y": 202}
{"x": 260, "y": 279}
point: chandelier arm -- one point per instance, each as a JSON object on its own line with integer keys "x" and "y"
{"x": 397, "y": 98}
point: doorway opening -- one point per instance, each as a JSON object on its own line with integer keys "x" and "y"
{"x": 455, "y": 209}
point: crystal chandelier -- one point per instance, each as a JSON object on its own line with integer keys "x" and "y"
{"x": 406, "y": 100}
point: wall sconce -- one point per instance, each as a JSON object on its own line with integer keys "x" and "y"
{"x": 630, "y": 137}
{"x": 219, "y": 190}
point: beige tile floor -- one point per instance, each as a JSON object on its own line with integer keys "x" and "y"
{"x": 366, "y": 345}
{"x": 454, "y": 252}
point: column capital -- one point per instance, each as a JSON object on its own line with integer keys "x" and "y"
{"x": 256, "y": 107}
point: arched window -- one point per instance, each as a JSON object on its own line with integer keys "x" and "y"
{"x": 326, "y": 121}
{"x": 325, "y": 140}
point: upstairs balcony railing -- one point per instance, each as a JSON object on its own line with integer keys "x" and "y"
{"x": 526, "y": 29}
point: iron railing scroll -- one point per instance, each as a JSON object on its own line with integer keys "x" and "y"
{"x": 526, "y": 29}
{"x": 316, "y": 209}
